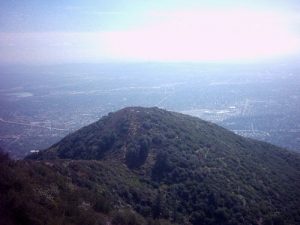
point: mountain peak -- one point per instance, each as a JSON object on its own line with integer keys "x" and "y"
{"x": 136, "y": 136}
{"x": 119, "y": 132}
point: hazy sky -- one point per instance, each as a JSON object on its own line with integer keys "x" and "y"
{"x": 61, "y": 31}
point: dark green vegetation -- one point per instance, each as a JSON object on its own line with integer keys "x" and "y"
{"x": 151, "y": 166}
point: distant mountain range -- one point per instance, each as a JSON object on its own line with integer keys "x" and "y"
{"x": 154, "y": 167}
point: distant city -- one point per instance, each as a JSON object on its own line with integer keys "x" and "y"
{"x": 42, "y": 104}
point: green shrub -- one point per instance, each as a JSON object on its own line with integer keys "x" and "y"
{"x": 127, "y": 217}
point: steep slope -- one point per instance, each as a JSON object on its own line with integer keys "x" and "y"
{"x": 183, "y": 169}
